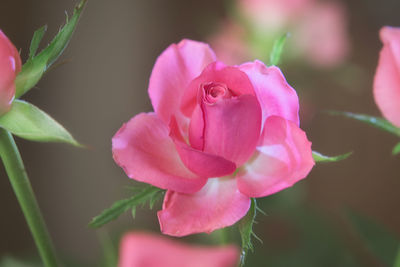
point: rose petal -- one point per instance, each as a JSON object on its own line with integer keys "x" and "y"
{"x": 148, "y": 250}
{"x": 218, "y": 204}
{"x": 143, "y": 148}
{"x": 232, "y": 127}
{"x": 174, "y": 69}
{"x": 203, "y": 164}
{"x": 216, "y": 72}
{"x": 387, "y": 76}
{"x": 284, "y": 157}
{"x": 274, "y": 94}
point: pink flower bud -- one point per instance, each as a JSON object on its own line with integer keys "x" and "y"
{"x": 10, "y": 66}
{"x": 387, "y": 76}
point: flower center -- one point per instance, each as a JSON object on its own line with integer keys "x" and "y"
{"x": 213, "y": 91}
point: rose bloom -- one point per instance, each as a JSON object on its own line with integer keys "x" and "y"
{"x": 10, "y": 65}
{"x": 318, "y": 31}
{"x": 219, "y": 136}
{"x": 148, "y": 250}
{"x": 387, "y": 76}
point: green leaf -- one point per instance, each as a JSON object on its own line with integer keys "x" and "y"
{"x": 36, "y": 66}
{"x": 379, "y": 123}
{"x": 277, "y": 49}
{"x": 37, "y": 37}
{"x": 396, "y": 149}
{"x": 124, "y": 205}
{"x": 246, "y": 231}
{"x": 397, "y": 260}
{"x": 318, "y": 157}
{"x": 378, "y": 240}
{"x": 27, "y": 121}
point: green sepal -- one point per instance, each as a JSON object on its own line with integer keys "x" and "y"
{"x": 396, "y": 149}
{"x": 379, "y": 123}
{"x": 383, "y": 244}
{"x": 245, "y": 226}
{"x": 318, "y": 157}
{"x": 36, "y": 39}
{"x": 277, "y": 49}
{"x": 121, "y": 206}
{"x": 36, "y": 66}
{"x": 29, "y": 122}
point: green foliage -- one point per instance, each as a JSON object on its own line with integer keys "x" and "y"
{"x": 318, "y": 157}
{"x": 148, "y": 194}
{"x": 383, "y": 244}
{"x": 276, "y": 53}
{"x": 396, "y": 149}
{"x": 36, "y": 66}
{"x": 28, "y": 122}
{"x": 246, "y": 231}
{"x": 379, "y": 123}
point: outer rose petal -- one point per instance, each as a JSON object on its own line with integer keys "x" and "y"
{"x": 216, "y": 72}
{"x": 284, "y": 157}
{"x": 274, "y": 94}
{"x": 172, "y": 72}
{"x": 143, "y": 148}
{"x": 148, "y": 250}
{"x": 203, "y": 164}
{"x": 387, "y": 76}
{"x": 10, "y": 65}
{"x": 218, "y": 204}
{"x": 232, "y": 128}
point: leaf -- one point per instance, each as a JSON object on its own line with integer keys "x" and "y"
{"x": 378, "y": 240}
{"x": 246, "y": 231}
{"x": 397, "y": 260}
{"x": 124, "y": 205}
{"x": 277, "y": 49}
{"x": 37, "y": 37}
{"x": 29, "y": 122}
{"x": 318, "y": 157}
{"x": 396, "y": 149}
{"x": 379, "y": 123}
{"x": 36, "y": 66}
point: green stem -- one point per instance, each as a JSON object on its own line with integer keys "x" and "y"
{"x": 22, "y": 187}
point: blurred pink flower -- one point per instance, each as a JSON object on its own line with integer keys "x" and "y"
{"x": 387, "y": 76}
{"x": 148, "y": 250}
{"x": 10, "y": 65}
{"x": 229, "y": 42}
{"x": 272, "y": 15}
{"x": 318, "y": 31}
{"x": 321, "y": 34}
{"x": 219, "y": 136}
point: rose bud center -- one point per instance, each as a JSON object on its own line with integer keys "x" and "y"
{"x": 213, "y": 91}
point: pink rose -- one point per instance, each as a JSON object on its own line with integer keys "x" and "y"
{"x": 321, "y": 34}
{"x": 387, "y": 76}
{"x": 219, "y": 136}
{"x": 147, "y": 250}
{"x": 10, "y": 65}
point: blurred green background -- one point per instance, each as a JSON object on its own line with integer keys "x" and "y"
{"x": 104, "y": 83}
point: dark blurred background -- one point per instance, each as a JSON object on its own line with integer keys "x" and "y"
{"x": 104, "y": 83}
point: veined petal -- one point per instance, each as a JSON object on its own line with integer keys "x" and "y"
{"x": 218, "y": 204}
{"x": 274, "y": 94}
{"x": 232, "y": 127}
{"x": 387, "y": 76}
{"x": 174, "y": 69}
{"x": 201, "y": 163}
{"x": 283, "y": 158}
{"x": 144, "y": 149}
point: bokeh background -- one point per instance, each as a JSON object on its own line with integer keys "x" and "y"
{"x": 103, "y": 83}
